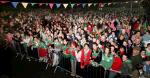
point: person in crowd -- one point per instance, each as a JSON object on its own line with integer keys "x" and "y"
{"x": 107, "y": 60}
{"x": 146, "y": 67}
{"x": 126, "y": 68}
{"x": 116, "y": 66}
{"x": 136, "y": 62}
{"x": 148, "y": 50}
{"x": 86, "y": 40}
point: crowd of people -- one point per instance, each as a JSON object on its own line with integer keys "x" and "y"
{"x": 87, "y": 43}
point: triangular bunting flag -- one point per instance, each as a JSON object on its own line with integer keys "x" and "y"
{"x": 3, "y": 2}
{"x": 24, "y": 4}
{"x": 95, "y": 4}
{"x": 46, "y": 4}
{"x": 65, "y": 5}
{"x": 83, "y": 5}
{"x": 78, "y": 4}
{"x": 89, "y": 4}
{"x": 72, "y": 5}
{"x": 14, "y": 4}
{"x": 101, "y": 5}
{"x": 51, "y": 5}
{"x": 33, "y": 4}
{"x": 40, "y": 4}
{"x": 58, "y": 5}
{"x": 109, "y": 4}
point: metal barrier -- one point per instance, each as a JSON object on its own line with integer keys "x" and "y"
{"x": 63, "y": 62}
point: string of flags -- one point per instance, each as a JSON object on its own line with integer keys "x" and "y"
{"x": 58, "y": 5}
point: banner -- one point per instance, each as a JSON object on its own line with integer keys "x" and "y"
{"x": 14, "y": 4}
{"x": 58, "y": 5}
{"x": 24, "y": 4}
{"x": 65, "y": 5}
{"x": 72, "y": 5}
{"x": 89, "y": 4}
{"x": 51, "y": 5}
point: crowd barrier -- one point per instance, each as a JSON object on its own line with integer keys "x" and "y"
{"x": 49, "y": 57}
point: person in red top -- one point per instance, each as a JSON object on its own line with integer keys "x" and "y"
{"x": 85, "y": 56}
{"x": 122, "y": 51}
{"x": 116, "y": 66}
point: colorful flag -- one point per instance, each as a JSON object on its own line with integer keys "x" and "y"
{"x": 65, "y": 5}
{"x": 14, "y": 4}
{"x": 51, "y": 5}
{"x": 24, "y": 4}
{"x": 72, "y": 5}
{"x": 58, "y": 5}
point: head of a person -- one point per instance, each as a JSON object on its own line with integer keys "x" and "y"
{"x": 86, "y": 46}
{"x": 138, "y": 33}
{"x": 73, "y": 44}
{"x": 124, "y": 58}
{"x": 123, "y": 31}
{"x": 121, "y": 49}
{"x": 136, "y": 51}
{"x": 148, "y": 46}
{"x": 95, "y": 46}
{"x": 107, "y": 50}
{"x": 121, "y": 37}
{"x": 112, "y": 48}
{"x": 125, "y": 43}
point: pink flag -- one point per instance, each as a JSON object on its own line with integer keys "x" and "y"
{"x": 4, "y": 2}
{"x": 51, "y": 5}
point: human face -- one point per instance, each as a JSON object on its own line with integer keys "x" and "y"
{"x": 94, "y": 46}
{"x": 106, "y": 50}
{"x": 112, "y": 48}
{"x": 124, "y": 57}
{"x": 86, "y": 47}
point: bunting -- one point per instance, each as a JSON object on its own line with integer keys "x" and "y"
{"x": 3, "y": 2}
{"x": 78, "y": 4}
{"x": 14, "y": 4}
{"x": 89, "y": 4}
{"x": 24, "y": 4}
{"x": 83, "y": 5}
{"x": 72, "y": 5}
{"x": 51, "y": 5}
{"x": 109, "y": 4}
{"x": 40, "y": 4}
{"x": 46, "y": 4}
{"x": 33, "y": 4}
{"x": 65, "y": 5}
{"x": 95, "y": 4}
{"x": 58, "y": 5}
